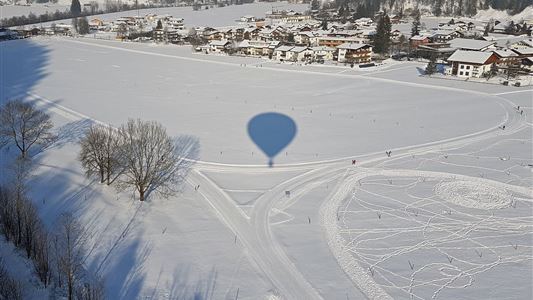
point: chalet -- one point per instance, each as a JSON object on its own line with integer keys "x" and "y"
{"x": 396, "y": 19}
{"x": 95, "y": 24}
{"x": 418, "y": 40}
{"x": 213, "y": 34}
{"x": 176, "y": 23}
{"x": 395, "y": 35}
{"x": 471, "y": 63}
{"x": 437, "y": 50}
{"x": 442, "y": 36}
{"x": 299, "y": 54}
{"x": 523, "y": 52}
{"x": 527, "y": 63}
{"x": 303, "y": 38}
{"x": 354, "y": 53}
{"x": 322, "y": 53}
{"x": 251, "y": 33}
{"x": 506, "y": 58}
{"x": 334, "y": 42}
{"x": 256, "y": 48}
{"x": 166, "y": 35}
{"x": 221, "y": 46}
{"x": 280, "y": 53}
{"x": 27, "y": 32}
{"x": 472, "y": 45}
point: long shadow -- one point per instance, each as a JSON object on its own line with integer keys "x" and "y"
{"x": 22, "y": 66}
{"x": 184, "y": 288}
{"x": 272, "y": 132}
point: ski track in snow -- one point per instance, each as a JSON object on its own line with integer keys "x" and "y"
{"x": 253, "y": 229}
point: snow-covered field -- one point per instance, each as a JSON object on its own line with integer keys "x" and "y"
{"x": 447, "y": 216}
{"x": 214, "y": 17}
{"x": 8, "y": 11}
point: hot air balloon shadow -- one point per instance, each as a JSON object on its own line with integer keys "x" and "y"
{"x": 271, "y": 132}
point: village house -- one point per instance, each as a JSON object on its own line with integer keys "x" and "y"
{"x": 334, "y": 42}
{"x": 354, "y": 53}
{"x": 523, "y": 52}
{"x": 467, "y": 64}
{"x": 96, "y": 24}
{"x": 472, "y": 45}
{"x": 166, "y": 35}
{"x": 280, "y": 53}
{"x": 418, "y": 40}
{"x": 221, "y": 46}
{"x": 442, "y": 36}
{"x": 299, "y": 53}
{"x": 322, "y": 53}
{"x": 506, "y": 58}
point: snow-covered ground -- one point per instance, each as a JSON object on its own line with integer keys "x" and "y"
{"x": 448, "y": 215}
{"x": 8, "y": 11}
{"x": 214, "y": 17}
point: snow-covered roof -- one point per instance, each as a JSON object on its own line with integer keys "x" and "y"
{"x": 475, "y": 57}
{"x": 298, "y": 49}
{"x": 418, "y": 38}
{"x": 524, "y": 50}
{"x": 218, "y": 43}
{"x": 505, "y": 53}
{"x": 351, "y": 46}
{"x": 322, "y": 48}
{"x": 284, "y": 48}
{"x": 470, "y": 44}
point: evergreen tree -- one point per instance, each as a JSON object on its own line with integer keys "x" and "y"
{"x": 159, "y": 25}
{"x": 324, "y": 25}
{"x": 83, "y": 25}
{"x": 383, "y": 33}
{"x": 315, "y": 5}
{"x": 431, "y": 67}
{"x": 437, "y": 8}
{"x": 511, "y": 28}
{"x": 75, "y": 7}
{"x": 415, "y": 27}
{"x": 487, "y": 30}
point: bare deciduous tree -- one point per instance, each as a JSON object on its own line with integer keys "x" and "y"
{"x": 91, "y": 290}
{"x": 100, "y": 153}
{"x": 10, "y": 288}
{"x": 150, "y": 159}
{"x": 69, "y": 245}
{"x": 25, "y": 126}
{"x": 41, "y": 261}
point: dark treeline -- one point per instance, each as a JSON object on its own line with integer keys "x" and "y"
{"x": 367, "y": 8}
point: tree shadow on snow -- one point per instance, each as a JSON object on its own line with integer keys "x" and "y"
{"x": 23, "y": 67}
{"x": 124, "y": 274}
{"x": 184, "y": 288}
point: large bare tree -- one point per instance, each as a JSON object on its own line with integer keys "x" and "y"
{"x": 150, "y": 158}
{"x": 22, "y": 124}
{"x": 100, "y": 151}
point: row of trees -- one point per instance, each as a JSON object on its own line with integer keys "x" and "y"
{"x": 57, "y": 256}
{"x": 139, "y": 155}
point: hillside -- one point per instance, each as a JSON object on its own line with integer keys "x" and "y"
{"x": 441, "y": 7}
